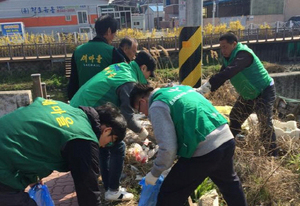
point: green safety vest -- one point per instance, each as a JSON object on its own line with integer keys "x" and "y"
{"x": 32, "y": 138}
{"x": 251, "y": 81}
{"x": 91, "y": 58}
{"x": 103, "y": 86}
{"x": 194, "y": 117}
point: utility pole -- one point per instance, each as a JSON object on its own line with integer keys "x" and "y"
{"x": 190, "y": 42}
{"x": 194, "y": 9}
{"x": 157, "y": 12}
{"x": 148, "y": 15}
{"x": 213, "y": 13}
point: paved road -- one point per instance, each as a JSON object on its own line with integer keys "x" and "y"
{"x": 62, "y": 188}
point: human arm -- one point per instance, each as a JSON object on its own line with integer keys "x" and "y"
{"x": 242, "y": 60}
{"x": 123, "y": 93}
{"x": 74, "y": 81}
{"x": 165, "y": 135}
{"x": 82, "y": 158}
{"x": 20, "y": 179}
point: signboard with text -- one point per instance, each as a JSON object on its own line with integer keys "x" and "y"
{"x": 10, "y": 29}
{"x": 51, "y": 9}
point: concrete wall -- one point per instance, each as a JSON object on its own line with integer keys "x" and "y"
{"x": 262, "y": 7}
{"x": 258, "y": 19}
{"x": 274, "y": 52}
{"x": 287, "y": 84}
{"x": 12, "y": 100}
{"x": 291, "y": 8}
{"x": 27, "y": 67}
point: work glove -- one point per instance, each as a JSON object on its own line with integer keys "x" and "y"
{"x": 143, "y": 134}
{"x": 204, "y": 89}
{"x": 150, "y": 179}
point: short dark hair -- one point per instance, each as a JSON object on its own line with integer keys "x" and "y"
{"x": 139, "y": 91}
{"x": 105, "y": 22}
{"x": 146, "y": 58}
{"x": 111, "y": 116}
{"x": 127, "y": 41}
{"x": 230, "y": 37}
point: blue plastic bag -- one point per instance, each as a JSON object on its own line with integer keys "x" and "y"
{"x": 41, "y": 195}
{"x": 149, "y": 192}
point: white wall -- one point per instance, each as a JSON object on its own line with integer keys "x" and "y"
{"x": 140, "y": 19}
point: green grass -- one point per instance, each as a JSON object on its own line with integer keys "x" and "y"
{"x": 205, "y": 187}
{"x": 56, "y": 84}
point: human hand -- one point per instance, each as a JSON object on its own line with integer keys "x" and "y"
{"x": 144, "y": 133}
{"x": 39, "y": 182}
{"x": 204, "y": 89}
{"x": 150, "y": 179}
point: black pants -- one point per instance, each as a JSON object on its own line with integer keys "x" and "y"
{"x": 188, "y": 173}
{"x": 263, "y": 107}
{"x": 12, "y": 197}
{"x": 82, "y": 157}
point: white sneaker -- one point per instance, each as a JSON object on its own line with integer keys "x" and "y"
{"x": 120, "y": 195}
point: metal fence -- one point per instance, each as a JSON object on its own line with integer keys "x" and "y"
{"x": 62, "y": 49}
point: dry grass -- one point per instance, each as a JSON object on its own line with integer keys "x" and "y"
{"x": 266, "y": 180}
{"x": 225, "y": 95}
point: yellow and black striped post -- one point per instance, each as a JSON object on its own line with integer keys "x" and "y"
{"x": 190, "y": 55}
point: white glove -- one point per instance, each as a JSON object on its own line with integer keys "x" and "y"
{"x": 205, "y": 88}
{"x": 143, "y": 134}
{"x": 150, "y": 179}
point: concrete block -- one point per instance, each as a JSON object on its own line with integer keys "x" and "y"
{"x": 11, "y": 100}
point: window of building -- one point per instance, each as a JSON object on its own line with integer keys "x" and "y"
{"x": 84, "y": 29}
{"x": 82, "y": 17}
{"x": 267, "y": 7}
{"x": 137, "y": 23}
{"x": 117, "y": 15}
{"x": 68, "y": 18}
{"x": 204, "y": 12}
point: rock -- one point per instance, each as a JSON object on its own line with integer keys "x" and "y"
{"x": 12, "y": 100}
{"x": 211, "y": 198}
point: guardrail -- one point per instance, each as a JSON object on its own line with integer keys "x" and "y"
{"x": 53, "y": 49}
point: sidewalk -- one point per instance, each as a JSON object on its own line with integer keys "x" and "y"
{"x": 62, "y": 188}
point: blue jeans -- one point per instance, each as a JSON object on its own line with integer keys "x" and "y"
{"x": 111, "y": 165}
{"x": 263, "y": 107}
{"x": 188, "y": 173}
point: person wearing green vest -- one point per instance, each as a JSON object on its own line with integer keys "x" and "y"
{"x": 254, "y": 85}
{"x": 114, "y": 85}
{"x": 90, "y": 58}
{"x": 188, "y": 125}
{"x": 51, "y": 135}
